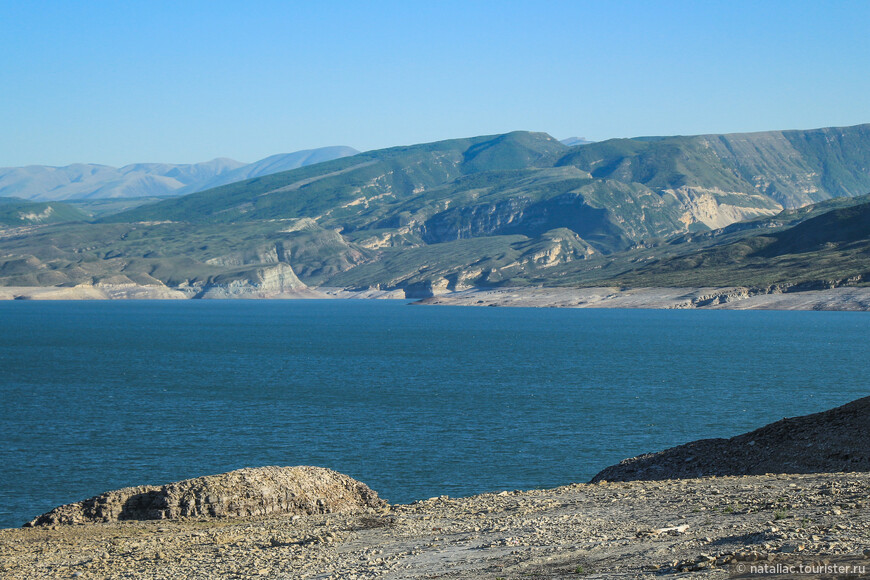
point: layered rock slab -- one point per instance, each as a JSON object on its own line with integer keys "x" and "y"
{"x": 837, "y": 440}
{"x": 301, "y": 490}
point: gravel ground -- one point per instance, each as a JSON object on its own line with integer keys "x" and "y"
{"x": 676, "y": 528}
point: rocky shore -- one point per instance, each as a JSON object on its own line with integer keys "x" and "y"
{"x": 155, "y": 292}
{"x": 731, "y": 298}
{"x": 307, "y": 522}
{"x": 709, "y": 528}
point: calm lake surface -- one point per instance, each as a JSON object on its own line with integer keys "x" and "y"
{"x": 414, "y": 401}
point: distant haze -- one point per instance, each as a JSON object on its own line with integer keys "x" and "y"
{"x": 91, "y": 181}
{"x": 574, "y": 141}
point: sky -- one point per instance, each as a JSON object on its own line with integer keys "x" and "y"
{"x": 181, "y": 82}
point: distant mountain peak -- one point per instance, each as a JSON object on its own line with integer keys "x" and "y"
{"x": 91, "y": 181}
{"x": 574, "y": 141}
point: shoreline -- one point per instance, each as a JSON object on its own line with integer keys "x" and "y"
{"x": 843, "y": 298}
{"x": 705, "y": 528}
{"x": 317, "y": 523}
{"x": 136, "y": 292}
{"x": 847, "y": 298}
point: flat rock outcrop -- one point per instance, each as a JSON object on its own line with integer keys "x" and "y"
{"x": 259, "y": 491}
{"x": 832, "y": 441}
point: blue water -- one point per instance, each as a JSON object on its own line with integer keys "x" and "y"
{"x": 414, "y": 401}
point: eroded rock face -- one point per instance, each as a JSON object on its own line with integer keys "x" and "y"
{"x": 245, "y": 492}
{"x": 832, "y": 441}
{"x": 262, "y": 282}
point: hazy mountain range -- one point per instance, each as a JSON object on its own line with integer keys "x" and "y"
{"x": 91, "y": 181}
{"x": 574, "y": 141}
{"x": 781, "y": 207}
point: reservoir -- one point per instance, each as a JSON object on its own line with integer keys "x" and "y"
{"x": 415, "y": 401}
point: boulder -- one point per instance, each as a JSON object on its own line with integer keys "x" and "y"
{"x": 258, "y": 491}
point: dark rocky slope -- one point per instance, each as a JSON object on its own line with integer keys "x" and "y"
{"x": 832, "y": 441}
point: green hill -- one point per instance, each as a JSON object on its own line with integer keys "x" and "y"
{"x": 356, "y": 189}
{"x": 828, "y": 248}
{"x": 19, "y": 212}
{"x": 792, "y": 168}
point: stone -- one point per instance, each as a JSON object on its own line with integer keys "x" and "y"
{"x": 301, "y": 490}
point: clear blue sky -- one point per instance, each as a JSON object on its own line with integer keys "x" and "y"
{"x": 120, "y": 82}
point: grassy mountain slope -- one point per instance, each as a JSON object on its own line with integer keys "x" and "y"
{"x": 438, "y": 192}
{"x": 19, "y": 212}
{"x": 97, "y": 208}
{"x": 174, "y": 254}
{"x": 829, "y": 249}
{"x": 346, "y": 189}
{"x": 792, "y": 168}
{"x": 839, "y": 155}
{"x": 519, "y": 208}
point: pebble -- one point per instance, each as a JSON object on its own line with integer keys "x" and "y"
{"x": 654, "y": 526}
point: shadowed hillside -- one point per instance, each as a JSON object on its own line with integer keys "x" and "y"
{"x": 828, "y": 442}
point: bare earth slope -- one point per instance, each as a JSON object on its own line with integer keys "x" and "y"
{"x": 837, "y": 440}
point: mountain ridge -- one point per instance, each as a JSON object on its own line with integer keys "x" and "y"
{"x": 518, "y": 208}
{"x": 95, "y": 181}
